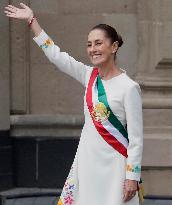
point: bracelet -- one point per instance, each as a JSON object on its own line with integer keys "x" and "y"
{"x": 31, "y": 21}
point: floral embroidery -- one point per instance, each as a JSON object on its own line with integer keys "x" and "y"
{"x": 60, "y": 202}
{"x": 100, "y": 112}
{"x": 67, "y": 196}
{"x": 133, "y": 168}
{"x": 47, "y": 43}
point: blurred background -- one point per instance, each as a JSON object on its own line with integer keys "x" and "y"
{"x": 41, "y": 109}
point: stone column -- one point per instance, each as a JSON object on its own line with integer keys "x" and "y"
{"x": 20, "y": 63}
{"x": 5, "y": 143}
{"x": 4, "y": 70}
{"x": 155, "y": 77}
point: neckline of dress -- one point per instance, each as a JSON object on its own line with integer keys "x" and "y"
{"x": 117, "y": 76}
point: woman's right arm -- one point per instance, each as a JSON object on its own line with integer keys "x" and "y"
{"x": 62, "y": 60}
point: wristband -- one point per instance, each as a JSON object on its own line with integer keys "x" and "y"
{"x": 31, "y": 21}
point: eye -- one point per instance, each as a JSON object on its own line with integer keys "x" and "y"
{"x": 98, "y": 43}
{"x": 88, "y": 45}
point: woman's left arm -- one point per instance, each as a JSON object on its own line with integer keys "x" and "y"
{"x": 134, "y": 117}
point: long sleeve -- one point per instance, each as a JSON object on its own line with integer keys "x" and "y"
{"x": 133, "y": 109}
{"x": 62, "y": 60}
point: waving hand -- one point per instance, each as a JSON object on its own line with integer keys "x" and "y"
{"x": 24, "y": 13}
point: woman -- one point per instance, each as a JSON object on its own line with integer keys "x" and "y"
{"x": 106, "y": 169}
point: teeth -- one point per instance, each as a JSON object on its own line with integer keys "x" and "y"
{"x": 96, "y": 56}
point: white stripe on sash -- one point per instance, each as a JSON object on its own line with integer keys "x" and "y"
{"x": 106, "y": 124}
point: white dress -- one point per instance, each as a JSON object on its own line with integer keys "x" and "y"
{"x": 98, "y": 171}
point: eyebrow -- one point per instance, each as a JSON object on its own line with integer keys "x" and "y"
{"x": 97, "y": 40}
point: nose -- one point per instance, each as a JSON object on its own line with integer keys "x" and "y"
{"x": 92, "y": 49}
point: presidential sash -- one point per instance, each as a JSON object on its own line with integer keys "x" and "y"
{"x": 106, "y": 123}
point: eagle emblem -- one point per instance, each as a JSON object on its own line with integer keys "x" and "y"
{"x": 100, "y": 112}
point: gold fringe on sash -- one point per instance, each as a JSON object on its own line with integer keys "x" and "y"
{"x": 141, "y": 192}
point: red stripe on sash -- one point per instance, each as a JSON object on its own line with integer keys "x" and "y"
{"x": 110, "y": 139}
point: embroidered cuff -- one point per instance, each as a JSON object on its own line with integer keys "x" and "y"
{"x": 43, "y": 40}
{"x": 133, "y": 168}
{"x": 133, "y": 172}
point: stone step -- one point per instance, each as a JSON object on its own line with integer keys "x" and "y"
{"x": 157, "y": 202}
{"x": 157, "y": 181}
{"x": 53, "y": 201}
{"x": 32, "y": 201}
{"x": 37, "y": 196}
{"x": 28, "y": 196}
{"x": 157, "y": 151}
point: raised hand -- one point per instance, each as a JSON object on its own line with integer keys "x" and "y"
{"x": 24, "y": 13}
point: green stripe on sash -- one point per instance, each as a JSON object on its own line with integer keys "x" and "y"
{"x": 112, "y": 118}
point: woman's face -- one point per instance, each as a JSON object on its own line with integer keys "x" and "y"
{"x": 99, "y": 48}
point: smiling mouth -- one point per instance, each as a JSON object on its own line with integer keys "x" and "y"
{"x": 96, "y": 56}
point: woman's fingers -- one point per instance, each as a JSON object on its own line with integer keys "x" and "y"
{"x": 7, "y": 12}
{"x": 23, "y": 5}
{"x": 10, "y": 15}
{"x": 10, "y": 9}
{"x": 128, "y": 195}
{"x": 11, "y": 6}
